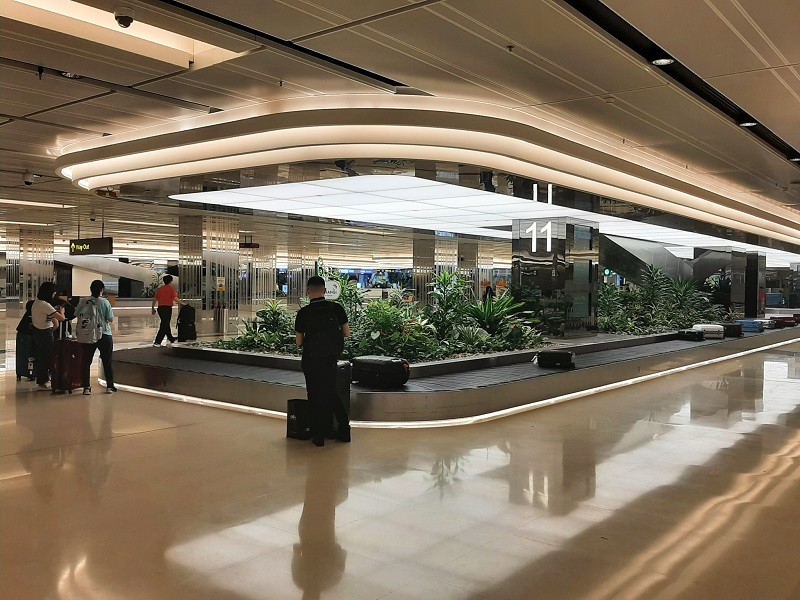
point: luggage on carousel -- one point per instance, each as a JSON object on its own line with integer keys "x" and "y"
{"x": 381, "y": 371}
{"x": 555, "y": 359}
{"x": 751, "y": 325}
{"x": 768, "y": 323}
{"x": 692, "y": 335}
{"x": 187, "y": 328}
{"x": 785, "y": 319}
{"x": 732, "y": 330}
{"x": 712, "y": 332}
{"x": 65, "y": 368}
{"x": 298, "y": 422}
{"x": 25, "y": 358}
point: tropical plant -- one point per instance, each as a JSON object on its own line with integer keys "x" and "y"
{"x": 448, "y": 295}
{"x": 658, "y": 304}
{"x": 495, "y": 315}
{"x": 385, "y": 329}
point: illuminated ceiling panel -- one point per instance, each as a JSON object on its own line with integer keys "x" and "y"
{"x": 435, "y": 206}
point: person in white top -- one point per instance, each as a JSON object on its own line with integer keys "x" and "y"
{"x": 44, "y": 318}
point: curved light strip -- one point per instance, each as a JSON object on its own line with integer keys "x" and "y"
{"x": 353, "y": 127}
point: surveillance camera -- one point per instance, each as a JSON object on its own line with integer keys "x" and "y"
{"x": 92, "y": 217}
{"x": 27, "y": 178}
{"x": 124, "y": 16}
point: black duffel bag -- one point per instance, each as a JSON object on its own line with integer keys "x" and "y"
{"x": 381, "y": 371}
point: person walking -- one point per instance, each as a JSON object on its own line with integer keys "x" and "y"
{"x": 99, "y": 313}
{"x": 165, "y": 298}
{"x": 488, "y": 294}
{"x": 320, "y": 328}
{"x": 44, "y": 318}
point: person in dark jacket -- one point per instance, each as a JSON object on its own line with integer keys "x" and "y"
{"x": 488, "y": 294}
{"x": 321, "y": 327}
{"x": 45, "y": 317}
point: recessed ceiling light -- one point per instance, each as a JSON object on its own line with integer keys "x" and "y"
{"x": 69, "y": 75}
{"x": 25, "y": 223}
{"x": 748, "y": 124}
{"x": 142, "y": 223}
{"x": 36, "y": 204}
{"x": 795, "y": 159}
{"x": 663, "y": 62}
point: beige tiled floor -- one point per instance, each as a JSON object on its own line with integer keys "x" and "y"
{"x": 684, "y": 487}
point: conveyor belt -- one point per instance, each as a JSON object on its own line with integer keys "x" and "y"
{"x": 474, "y": 379}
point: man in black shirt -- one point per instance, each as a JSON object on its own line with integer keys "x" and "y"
{"x": 321, "y": 327}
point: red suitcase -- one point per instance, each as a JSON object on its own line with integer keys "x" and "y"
{"x": 65, "y": 370}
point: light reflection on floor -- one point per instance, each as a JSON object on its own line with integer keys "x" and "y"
{"x": 683, "y": 487}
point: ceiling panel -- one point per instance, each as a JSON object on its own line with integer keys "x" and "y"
{"x": 772, "y": 96}
{"x": 779, "y": 22}
{"x": 271, "y": 67}
{"x": 85, "y": 115}
{"x": 23, "y": 92}
{"x": 274, "y": 17}
{"x": 221, "y": 87}
{"x": 619, "y": 118}
{"x": 162, "y": 16}
{"x": 684, "y": 28}
{"x": 32, "y": 138}
{"x": 545, "y": 33}
{"x": 62, "y": 52}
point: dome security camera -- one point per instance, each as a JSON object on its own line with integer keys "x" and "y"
{"x": 124, "y": 16}
{"x": 27, "y": 178}
{"x": 92, "y": 216}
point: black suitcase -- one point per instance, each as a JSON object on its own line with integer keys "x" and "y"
{"x": 381, "y": 371}
{"x": 732, "y": 330}
{"x": 187, "y": 329}
{"x": 298, "y": 423}
{"x": 343, "y": 378}
{"x": 692, "y": 335}
{"x": 556, "y": 359}
{"x": 25, "y": 358}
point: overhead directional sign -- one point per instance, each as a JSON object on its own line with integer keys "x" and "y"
{"x": 101, "y": 245}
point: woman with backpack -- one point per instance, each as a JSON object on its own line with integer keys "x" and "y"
{"x": 95, "y": 316}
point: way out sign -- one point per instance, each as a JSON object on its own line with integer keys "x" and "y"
{"x": 333, "y": 289}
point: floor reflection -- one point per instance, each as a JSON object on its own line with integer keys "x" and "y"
{"x": 683, "y": 487}
{"x": 318, "y": 560}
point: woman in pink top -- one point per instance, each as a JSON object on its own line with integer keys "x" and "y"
{"x": 166, "y": 297}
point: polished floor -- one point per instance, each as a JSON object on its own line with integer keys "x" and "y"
{"x": 680, "y": 488}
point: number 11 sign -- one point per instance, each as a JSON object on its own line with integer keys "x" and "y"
{"x": 547, "y": 229}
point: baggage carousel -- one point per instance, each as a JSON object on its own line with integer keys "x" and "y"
{"x": 244, "y": 381}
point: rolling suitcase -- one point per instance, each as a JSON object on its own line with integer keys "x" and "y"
{"x": 556, "y": 359}
{"x": 298, "y": 423}
{"x": 751, "y": 325}
{"x": 65, "y": 369}
{"x": 187, "y": 329}
{"x": 381, "y": 371}
{"x": 25, "y": 359}
{"x": 692, "y": 335}
{"x": 712, "y": 332}
{"x": 343, "y": 378}
{"x": 768, "y": 323}
{"x": 732, "y": 330}
{"x": 786, "y": 320}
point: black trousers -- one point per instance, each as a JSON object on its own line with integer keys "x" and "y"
{"x": 165, "y": 314}
{"x": 323, "y": 401}
{"x": 106, "y": 346}
{"x": 43, "y": 351}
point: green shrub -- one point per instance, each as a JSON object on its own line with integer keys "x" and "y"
{"x": 659, "y": 304}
